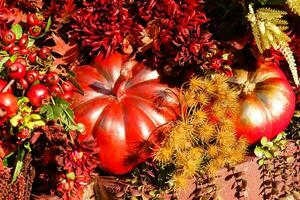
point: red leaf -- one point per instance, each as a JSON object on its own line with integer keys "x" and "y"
{"x": 13, "y": 15}
{"x": 69, "y": 53}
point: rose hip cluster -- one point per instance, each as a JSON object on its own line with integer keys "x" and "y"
{"x": 28, "y": 71}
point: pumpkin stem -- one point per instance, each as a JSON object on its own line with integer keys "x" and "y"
{"x": 125, "y": 75}
{"x": 248, "y": 87}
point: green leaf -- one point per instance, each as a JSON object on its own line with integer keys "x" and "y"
{"x": 5, "y": 159}
{"x": 48, "y": 24}
{"x": 57, "y": 111}
{"x": 48, "y": 111}
{"x": 3, "y": 61}
{"x": 27, "y": 146}
{"x": 70, "y": 113}
{"x": 3, "y": 53}
{"x": 18, "y": 30}
{"x": 61, "y": 102}
{"x": 268, "y": 154}
{"x": 19, "y": 165}
{"x": 259, "y": 152}
{"x": 261, "y": 162}
{"x": 278, "y": 137}
{"x": 72, "y": 74}
{"x": 13, "y": 58}
{"x": 264, "y": 141}
{"x": 80, "y": 128}
{"x": 71, "y": 176}
{"x": 23, "y": 100}
{"x": 14, "y": 121}
{"x": 33, "y": 124}
{"x": 74, "y": 82}
{"x": 35, "y": 116}
{"x": 30, "y": 42}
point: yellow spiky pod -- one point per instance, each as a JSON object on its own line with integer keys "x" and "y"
{"x": 203, "y": 141}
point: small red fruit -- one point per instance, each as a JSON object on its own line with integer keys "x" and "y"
{"x": 31, "y": 76}
{"x": 65, "y": 96}
{"x": 22, "y": 61}
{"x": 32, "y": 19}
{"x": 23, "y": 42}
{"x": 67, "y": 86}
{"x": 8, "y": 106}
{"x": 52, "y": 78}
{"x": 37, "y": 93}
{"x": 23, "y": 134}
{"x": 9, "y": 37}
{"x": 13, "y": 50}
{"x": 24, "y": 51}
{"x": 35, "y": 31}
{"x": 8, "y": 63}
{"x": 55, "y": 90}
{"x": 44, "y": 53}
{"x": 32, "y": 57}
{"x": 17, "y": 71}
{"x": 8, "y": 47}
{"x": 41, "y": 76}
{"x": 3, "y": 83}
{"x": 23, "y": 83}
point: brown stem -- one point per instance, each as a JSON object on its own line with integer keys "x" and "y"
{"x": 125, "y": 75}
{"x": 8, "y": 85}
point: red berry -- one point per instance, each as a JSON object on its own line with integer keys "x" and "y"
{"x": 37, "y": 93}
{"x": 41, "y": 76}
{"x": 24, "y": 51}
{"x": 44, "y": 53}
{"x": 8, "y": 106}
{"x": 23, "y": 83}
{"x": 31, "y": 76}
{"x": 23, "y": 134}
{"x": 32, "y": 19}
{"x": 17, "y": 71}
{"x": 23, "y": 42}
{"x": 35, "y": 31}
{"x": 3, "y": 83}
{"x": 22, "y": 61}
{"x": 52, "y": 78}
{"x": 55, "y": 90}
{"x": 67, "y": 86}
{"x": 65, "y": 96}
{"x": 14, "y": 50}
{"x": 8, "y": 47}
{"x": 9, "y": 37}
{"x": 32, "y": 57}
{"x": 8, "y": 63}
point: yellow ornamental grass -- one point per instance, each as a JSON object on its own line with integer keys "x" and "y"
{"x": 294, "y": 6}
{"x": 268, "y": 28}
{"x": 202, "y": 140}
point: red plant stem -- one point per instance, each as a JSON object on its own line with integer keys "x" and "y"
{"x": 8, "y": 85}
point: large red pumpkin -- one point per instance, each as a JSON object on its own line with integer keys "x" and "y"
{"x": 123, "y": 105}
{"x": 267, "y": 101}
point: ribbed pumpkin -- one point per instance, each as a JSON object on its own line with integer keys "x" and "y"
{"x": 123, "y": 105}
{"x": 267, "y": 101}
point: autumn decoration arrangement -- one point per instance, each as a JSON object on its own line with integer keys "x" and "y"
{"x": 142, "y": 99}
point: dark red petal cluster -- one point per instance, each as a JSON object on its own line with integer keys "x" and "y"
{"x": 166, "y": 32}
{"x": 62, "y": 164}
{"x": 102, "y": 25}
